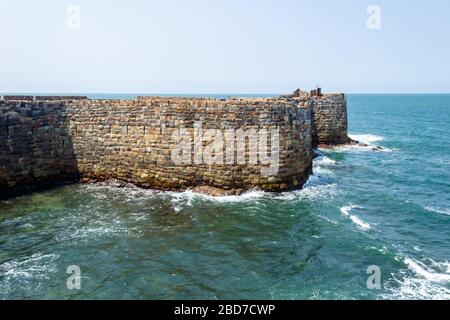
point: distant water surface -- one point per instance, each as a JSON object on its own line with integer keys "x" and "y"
{"x": 361, "y": 208}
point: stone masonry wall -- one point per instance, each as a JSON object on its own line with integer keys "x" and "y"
{"x": 329, "y": 114}
{"x": 35, "y": 145}
{"x": 134, "y": 141}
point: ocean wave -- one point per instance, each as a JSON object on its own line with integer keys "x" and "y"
{"x": 429, "y": 273}
{"x": 322, "y": 166}
{"x": 314, "y": 189}
{"x": 368, "y": 143}
{"x": 85, "y": 233}
{"x": 16, "y": 221}
{"x": 444, "y": 211}
{"x": 355, "y": 219}
{"x": 442, "y": 266}
{"x": 96, "y": 226}
{"x": 129, "y": 193}
{"x": 310, "y": 193}
{"x": 187, "y": 197}
{"x": 439, "y": 161}
{"x": 324, "y": 161}
{"x": 20, "y": 272}
{"x": 90, "y": 221}
{"x": 320, "y": 171}
{"x": 411, "y": 288}
{"x": 428, "y": 282}
{"x": 366, "y": 138}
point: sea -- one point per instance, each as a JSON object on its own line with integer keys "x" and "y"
{"x": 369, "y": 224}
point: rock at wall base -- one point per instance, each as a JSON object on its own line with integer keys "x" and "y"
{"x": 216, "y": 192}
{"x": 349, "y": 142}
{"x": 206, "y": 190}
{"x": 109, "y": 182}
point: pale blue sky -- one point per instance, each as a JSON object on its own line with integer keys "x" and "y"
{"x": 224, "y": 46}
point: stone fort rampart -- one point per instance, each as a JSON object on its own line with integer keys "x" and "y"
{"x": 167, "y": 143}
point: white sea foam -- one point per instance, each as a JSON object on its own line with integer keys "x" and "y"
{"x": 444, "y": 211}
{"x": 177, "y": 209}
{"x": 22, "y": 273}
{"x": 355, "y": 219}
{"x": 369, "y": 144}
{"x": 129, "y": 193}
{"x": 36, "y": 266}
{"x": 322, "y": 166}
{"x": 315, "y": 188}
{"x": 428, "y": 282}
{"x": 366, "y": 138}
{"x": 426, "y": 272}
{"x": 321, "y": 171}
{"x": 441, "y": 266}
{"x": 324, "y": 160}
{"x": 16, "y": 221}
{"x": 411, "y": 288}
{"x": 310, "y": 192}
{"x": 87, "y": 232}
{"x": 445, "y": 161}
{"x": 89, "y": 223}
{"x": 187, "y": 197}
{"x": 383, "y": 249}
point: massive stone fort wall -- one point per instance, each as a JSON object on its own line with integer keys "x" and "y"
{"x": 167, "y": 143}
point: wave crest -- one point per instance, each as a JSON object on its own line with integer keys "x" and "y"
{"x": 444, "y": 211}
{"x": 355, "y": 219}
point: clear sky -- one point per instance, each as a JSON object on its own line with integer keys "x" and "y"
{"x": 223, "y": 46}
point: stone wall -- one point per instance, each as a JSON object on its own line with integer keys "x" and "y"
{"x": 134, "y": 141}
{"x": 329, "y": 114}
{"x": 35, "y": 145}
{"x": 167, "y": 143}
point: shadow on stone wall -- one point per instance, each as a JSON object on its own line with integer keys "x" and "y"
{"x": 36, "y": 149}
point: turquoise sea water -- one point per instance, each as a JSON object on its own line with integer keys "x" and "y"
{"x": 361, "y": 208}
